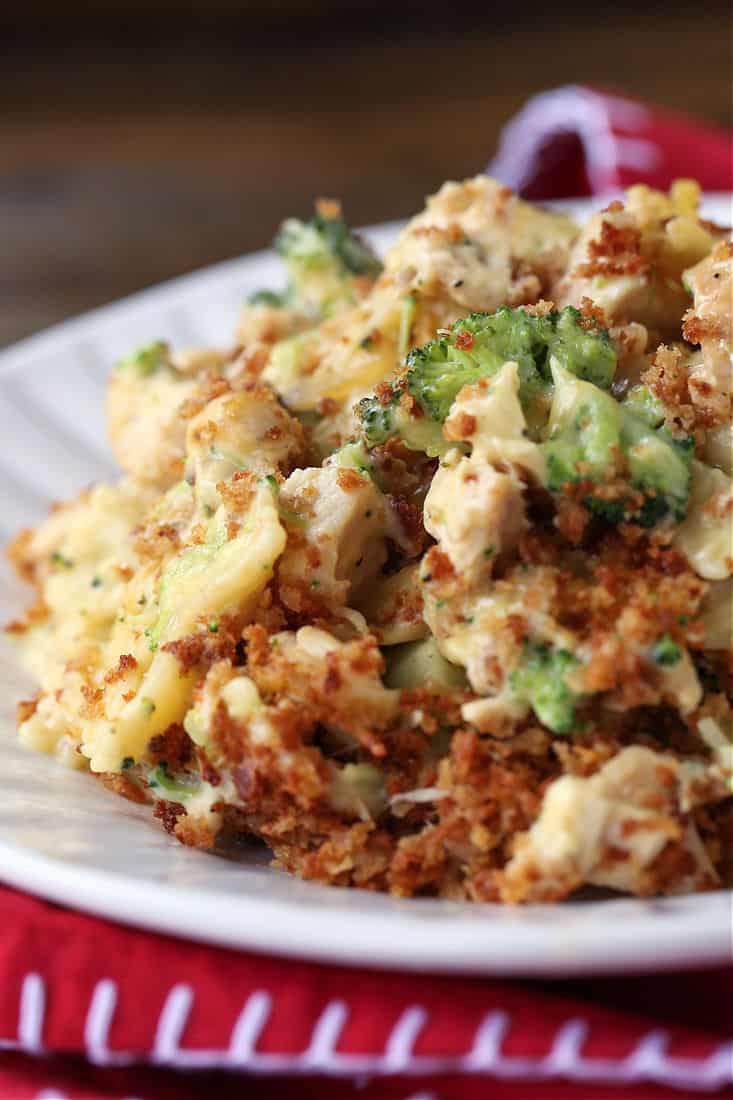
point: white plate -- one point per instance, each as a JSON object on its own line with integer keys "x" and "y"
{"x": 66, "y": 838}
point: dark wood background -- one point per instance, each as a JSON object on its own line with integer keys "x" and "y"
{"x": 162, "y": 137}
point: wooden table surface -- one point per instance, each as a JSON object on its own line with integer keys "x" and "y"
{"x": 127, "y": 158}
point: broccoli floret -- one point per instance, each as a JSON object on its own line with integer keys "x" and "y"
{"x": 540, "y": 681}
{"x": 586, "y": 352}
{"x": 323, "y": 239}
{"x": 270, "y": 298}
{"x": 146, "y": 360}
{"x": 477, "y": 347}
{"x": 590, "y": 434}
{"x": 377, "y": 420}
{"x": 323, "y": 257}
{"x": 666, "y": 651}
{"x": 380, "y": 422}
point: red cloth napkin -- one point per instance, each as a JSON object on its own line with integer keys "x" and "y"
{"x": 126, "y": 1013}
{"x": 576, "y": 141}
{"x": 90, "y": 1010}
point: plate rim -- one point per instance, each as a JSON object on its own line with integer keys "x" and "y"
{"x": 279, "y": 927}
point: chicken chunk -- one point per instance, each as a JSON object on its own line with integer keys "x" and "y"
{"x": 630, "y": 260}
{"x": 337, "y": 521}
{"x": 708, "y": 324}
{"x": 144, "y": 399}
{"x": 615, "y": 829}
{"x": 476, "y": 246}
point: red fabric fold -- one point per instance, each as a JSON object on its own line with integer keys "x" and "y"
{"x": 116, "y": 999}
{"x": 576, "y": 141}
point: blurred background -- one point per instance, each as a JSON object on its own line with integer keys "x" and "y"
{"x": 140, "y": 139}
